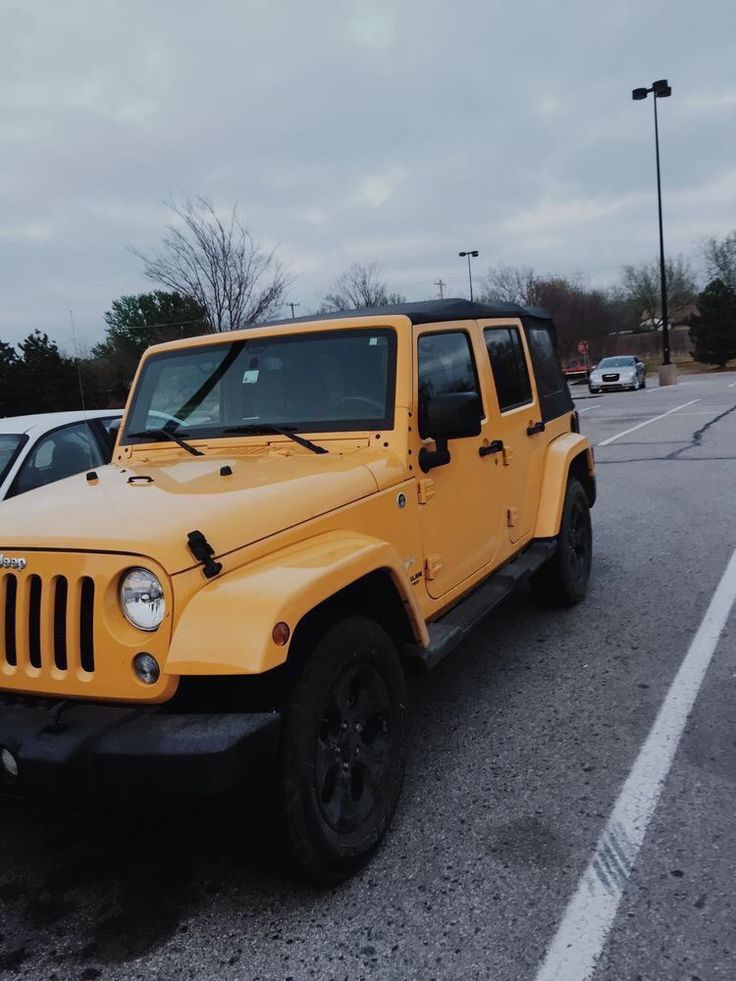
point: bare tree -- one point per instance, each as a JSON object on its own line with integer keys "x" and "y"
{"x": 511, "y": 284}
{"x": 359, "y": 286}
{"x": 642, "y": 285}
{"x": 720, "y": 259}
{"x": 218, "y": 264}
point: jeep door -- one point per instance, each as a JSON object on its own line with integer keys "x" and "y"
{"x": 461, "y": 528}
{"x": 519, "y": 424}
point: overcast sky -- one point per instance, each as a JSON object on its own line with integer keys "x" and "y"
{"x": 392, "y": 132}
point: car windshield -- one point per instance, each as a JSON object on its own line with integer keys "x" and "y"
{"x": 338, "y": 380}
{"x": 9, "y": 445}
{"x": 617, "y": 363}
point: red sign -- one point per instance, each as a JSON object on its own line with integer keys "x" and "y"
{"x": 582, "y": 347}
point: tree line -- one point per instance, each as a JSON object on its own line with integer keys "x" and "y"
{"x": 217, "y": 277}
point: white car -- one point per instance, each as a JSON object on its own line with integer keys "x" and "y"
{"x": 36, "y": 450}
{"x": 624, "y": 372}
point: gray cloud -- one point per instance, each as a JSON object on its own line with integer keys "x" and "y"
{"x": 355, "y": 131}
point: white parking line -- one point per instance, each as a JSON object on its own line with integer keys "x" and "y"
{"x": 587, "y": 408}
{"x": 581, "y": 936}
{"x": 612, "y": 439}
{"x": 732, "y": 384}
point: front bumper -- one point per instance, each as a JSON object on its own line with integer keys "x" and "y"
{"x": 612, "y": 386}
{"x": 72, "y": 751}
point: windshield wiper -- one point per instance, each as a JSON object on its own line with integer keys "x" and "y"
{"x": 167, "y": 434}
{"x": 269, "y": 427}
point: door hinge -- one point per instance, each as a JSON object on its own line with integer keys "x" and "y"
{"x": 425, "y": 489}
{"x": 512, "y": 516}
{"x": 432, "y": 565}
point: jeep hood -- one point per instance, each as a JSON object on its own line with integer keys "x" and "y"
{"x": 149, "y": 508}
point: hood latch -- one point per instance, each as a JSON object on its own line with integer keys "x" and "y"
{"x": 203, "y": 552}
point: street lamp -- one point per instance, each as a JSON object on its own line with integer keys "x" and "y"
{"x": 474, "y": 253}
{"x": 661, "y": 90}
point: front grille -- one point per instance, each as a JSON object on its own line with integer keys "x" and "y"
{"x": 610, "y": 378}
{"x": 63, "y": 634}
{"x": 47, "y": 623}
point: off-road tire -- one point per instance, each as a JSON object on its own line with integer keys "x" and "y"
{"x": 563, "y": 579}
{"x": 342, "y": 750}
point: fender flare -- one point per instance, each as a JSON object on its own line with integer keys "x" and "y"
{"x": 226, "y": 628}
{"x": 568, "y": 452}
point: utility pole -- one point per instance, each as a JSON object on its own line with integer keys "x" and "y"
{"x": 292, "y": 305}
{"x": 441, "y": 286}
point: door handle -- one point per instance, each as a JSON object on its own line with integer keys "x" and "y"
{"x": 538, "y": 427}
{"x": 496, "y": 446}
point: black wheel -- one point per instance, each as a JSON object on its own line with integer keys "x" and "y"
{"x": 593, "y": 391}
{"x": 343, "y": 745}
{"x": 643, "y": 381}
{"x": 563, "y": 579}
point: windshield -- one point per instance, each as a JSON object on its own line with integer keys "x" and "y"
{"x": 9, "y": 446}
{"x": 618, "y": 363}
{"x": 338, "y": 380}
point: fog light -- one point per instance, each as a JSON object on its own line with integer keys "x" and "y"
{"x": 146, "y": 668}
{"x": 8, "y": 763}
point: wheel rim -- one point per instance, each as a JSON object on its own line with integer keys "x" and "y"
{"x": 578, "y": 540}
{"x": 354, "y": 748}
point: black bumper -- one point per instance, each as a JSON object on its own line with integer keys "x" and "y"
{"x": 77, "y": 751}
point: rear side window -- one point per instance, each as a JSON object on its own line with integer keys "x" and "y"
{"x": 554, "y": 395}
{"x": 508, "y": 363}
{"x": 445, "y": 365}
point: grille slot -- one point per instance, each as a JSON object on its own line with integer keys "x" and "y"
{"x": 87, "y": 624}
{"x": 10, "y": 591}
{"x": 34, "y": 621}
{"x": 61, "y": 595}
{"x": 47, "y": 623}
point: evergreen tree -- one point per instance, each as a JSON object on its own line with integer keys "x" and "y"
{"x": 713, "y": 331}
{"x": 8, "y": 379}
{"x": 43, "y": 379}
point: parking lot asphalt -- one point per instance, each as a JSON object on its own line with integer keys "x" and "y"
{"x": 520, "y": 745}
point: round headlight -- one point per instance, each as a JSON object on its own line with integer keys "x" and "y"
{"x": 142, "y": 599}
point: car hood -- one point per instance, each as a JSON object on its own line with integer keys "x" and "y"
{"x": 149, "y": 509}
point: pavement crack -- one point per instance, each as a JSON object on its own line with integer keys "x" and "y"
{"x": 696, "y": 439}
{"x": 671, "y": 458}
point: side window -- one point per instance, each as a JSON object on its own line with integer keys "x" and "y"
{"x": 60, "y": 454}
{"x": 554, "y": 395}
{"x": 550, "y": 379}
{"x": 510, "y": 372}
{"x": 445, "y": 365}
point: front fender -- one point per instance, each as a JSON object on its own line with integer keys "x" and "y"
{"x": 559, "y": 458}
{"x": 226, "y": 628}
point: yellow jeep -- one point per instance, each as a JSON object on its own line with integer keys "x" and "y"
{"x": 292, "y": 512}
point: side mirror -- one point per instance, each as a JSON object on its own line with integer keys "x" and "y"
{"x": 454, "y": 415}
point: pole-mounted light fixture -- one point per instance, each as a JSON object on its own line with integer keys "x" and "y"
{"x": 661, "y": 90}
{"x": 474, "y": 254}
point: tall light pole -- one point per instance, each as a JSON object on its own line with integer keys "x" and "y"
{"x": 474, "y": 253}
{"x": 660, "y": 90}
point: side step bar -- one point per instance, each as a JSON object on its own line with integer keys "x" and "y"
{"x": 454, "y": 626}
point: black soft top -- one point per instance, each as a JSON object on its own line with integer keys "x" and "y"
{"x": 432, "y": 311}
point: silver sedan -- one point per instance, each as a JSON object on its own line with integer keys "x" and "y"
{"x": 623, "y": 371}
